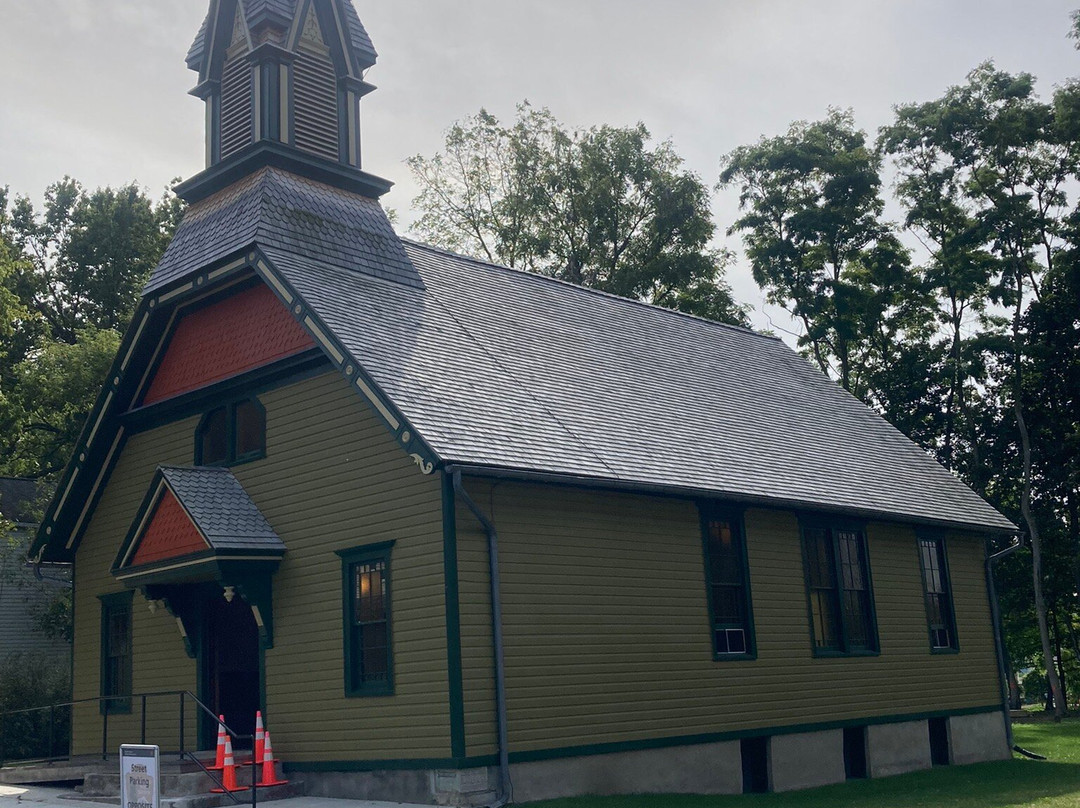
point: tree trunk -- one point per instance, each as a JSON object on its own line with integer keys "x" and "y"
{"x": 1025, "y": 505}
{"x": 1060, "y": 661}
{"x": 1012, "y": 683}
{"x": 1036, "y": 566}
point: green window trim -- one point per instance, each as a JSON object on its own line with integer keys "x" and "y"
{"x": 367, "y": 622}
{"x": 226, "y": 420}
{"x": 839, "y": 588}
{"x": 937, "y": 593}
{"x": 727, "y": 583}
{"x": 116, "y": 652}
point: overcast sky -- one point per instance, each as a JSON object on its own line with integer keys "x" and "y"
{"x": 97, "y": 88}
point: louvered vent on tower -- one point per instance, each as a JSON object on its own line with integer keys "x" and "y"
{"x": 237, "y": 92}
{"x": 315, "y": 98}
{"x": 236, "y": 104}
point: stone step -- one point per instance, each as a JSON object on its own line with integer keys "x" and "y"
{"x": 173, "y": 784}
{"x": 107, "y": 784}
{"x": 75, "y": 769}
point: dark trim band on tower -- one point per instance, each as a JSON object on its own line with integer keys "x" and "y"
{"x": 269, "y": 153}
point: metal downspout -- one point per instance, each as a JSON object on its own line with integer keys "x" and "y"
{"x": 504, "y": 793}
{"x": 999, "y": 645}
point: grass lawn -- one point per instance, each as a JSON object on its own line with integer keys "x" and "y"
{"x": 1053, "y": 783}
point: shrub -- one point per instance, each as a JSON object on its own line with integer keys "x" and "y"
{"x": 34, "y": 680}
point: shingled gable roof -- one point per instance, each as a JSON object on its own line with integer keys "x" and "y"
{"x": 219, "y": 508}
{"x": 474, "y": 364}
{"x": 509, "y": 370}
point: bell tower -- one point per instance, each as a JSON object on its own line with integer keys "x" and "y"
{"x": 282, "y": 76}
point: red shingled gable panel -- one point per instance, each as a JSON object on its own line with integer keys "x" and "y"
{"x": 241, "y": 332}
{"x": 169, "y": 533}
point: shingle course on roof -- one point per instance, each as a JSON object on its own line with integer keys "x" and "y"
{"x": 221, "y": 508}
{"x": 502, "y": 368}
{"x": 283, "y": 210}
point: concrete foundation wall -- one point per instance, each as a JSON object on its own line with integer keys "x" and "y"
{"x": 714, "y": 768}
{"x": 975, "y": 738}
{"x": 897, "y": 748}
{"x": 392, "y": 786}
{"x": 796, "y": 761}
{"x": 807, "y": 760}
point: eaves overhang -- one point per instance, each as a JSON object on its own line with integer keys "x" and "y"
{"x": 1000, "y": 529}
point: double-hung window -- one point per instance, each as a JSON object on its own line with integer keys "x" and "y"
{"x": 941, "y": 622}
{"x": 727, "y": 584}
{"x": 841, "y": 599}
{"x": 116, "y": 652}
{"x": 369, "y": 668}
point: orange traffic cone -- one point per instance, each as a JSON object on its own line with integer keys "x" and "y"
{"x": 259, "y": 737}
{"x": 219, "y": 759}
{"x": 269, "y": 776}
{"x": 229, "y": 773}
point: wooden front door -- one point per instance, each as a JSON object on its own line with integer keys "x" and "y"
{"x": 231, "y": 664}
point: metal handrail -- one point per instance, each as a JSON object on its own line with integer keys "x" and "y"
{"x": 105, "y": 701}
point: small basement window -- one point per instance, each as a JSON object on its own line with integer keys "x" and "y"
{"x": 855, "y": 753}
{"x": 232, "y": 434}
{"x": 755, "y": 765}
{"x": 939, "y": 741}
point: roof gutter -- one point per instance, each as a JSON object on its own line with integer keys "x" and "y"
{"x": 584, "y": 481}
{"x": 503, "y": 795}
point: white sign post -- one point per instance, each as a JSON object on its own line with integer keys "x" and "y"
{"x": 140, "y": 781}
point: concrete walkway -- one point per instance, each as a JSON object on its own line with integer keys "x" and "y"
{"x": 15, "y": 796}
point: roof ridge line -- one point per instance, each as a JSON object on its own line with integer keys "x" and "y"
{"x": 651, "y": 306}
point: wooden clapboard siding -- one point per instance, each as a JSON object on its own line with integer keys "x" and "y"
{"x": 607, "y": 628}
{"x": 477, "y": 661}
{"x": 160, "y": 662}
{"x": 332, "y": 479}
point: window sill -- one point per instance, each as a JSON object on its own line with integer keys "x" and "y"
{"x": 239, "y": 461}
{"x": 747, "y": 657}
{"x": 944, "y": 651}
{"x": 370, "y": 691}
{"x": 827, "y": 653}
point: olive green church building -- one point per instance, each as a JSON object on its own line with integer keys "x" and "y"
{"x": 467, "y": 534}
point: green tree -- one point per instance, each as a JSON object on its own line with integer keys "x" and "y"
{"x": 70, "y": 278}
{"x": 817, "y": 245}
{"x": 982, "y": 173}
{"x": 53, "y": 392}
{"x": 88, "y": 255}
{"x": 957, "y": 276}
{"x": 602, "y": 207}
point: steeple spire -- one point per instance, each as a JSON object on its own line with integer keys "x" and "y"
{"x": 283, "y": 79}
